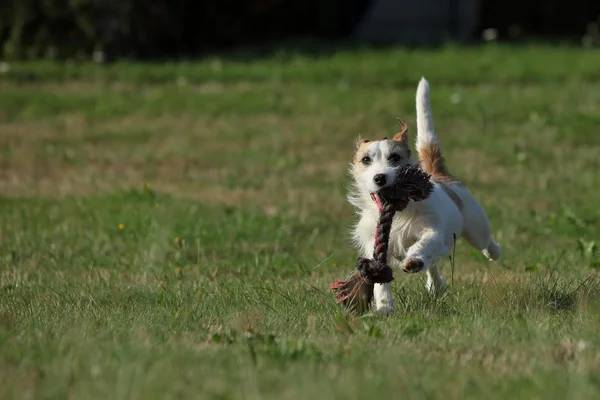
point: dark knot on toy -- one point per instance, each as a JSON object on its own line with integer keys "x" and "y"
{"x": 373, "y": 271}
{"x": 411, "y": 184}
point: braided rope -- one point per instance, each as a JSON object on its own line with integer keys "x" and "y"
{"x": 376, "y": 270}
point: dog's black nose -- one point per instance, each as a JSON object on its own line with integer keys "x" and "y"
{"x": 379, "y": 179}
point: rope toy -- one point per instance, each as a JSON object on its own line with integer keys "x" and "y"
{"x": 356, "y": 291}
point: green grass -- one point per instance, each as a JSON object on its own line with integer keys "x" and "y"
{"x": 170, "y": 231}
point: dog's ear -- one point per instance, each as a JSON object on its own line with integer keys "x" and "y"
{"x": 402, "y": 136}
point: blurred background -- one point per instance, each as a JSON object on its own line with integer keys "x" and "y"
{"x": 158, "y": 29}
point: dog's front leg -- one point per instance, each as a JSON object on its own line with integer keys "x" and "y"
{"x": 422, "y": 256}
{"x": 427, "y": 248}
{"x": 384, "y": 300}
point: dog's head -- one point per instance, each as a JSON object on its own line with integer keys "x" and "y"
{"x": 375, "y": 165}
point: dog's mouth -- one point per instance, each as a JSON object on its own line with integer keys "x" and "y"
{"x": 377, "y": 200}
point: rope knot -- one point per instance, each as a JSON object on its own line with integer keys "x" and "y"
{"x": 373, "y": 271}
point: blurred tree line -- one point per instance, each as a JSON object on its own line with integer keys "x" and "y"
{"x": 163, "y": 28}
{"x": 151, "y": 29}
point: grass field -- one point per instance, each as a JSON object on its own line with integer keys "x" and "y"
{"x": 170, "y": 231}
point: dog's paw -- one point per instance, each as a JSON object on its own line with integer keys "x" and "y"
{"x": 413, "y": 264}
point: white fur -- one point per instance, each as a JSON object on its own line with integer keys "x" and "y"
{"x": 425, "y": 129}
{"x": 425, "y": 231}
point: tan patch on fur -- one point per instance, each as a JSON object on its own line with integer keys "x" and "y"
{"x": 361, "y": 146}
{"x": 402, "y": 136}
{"x": 413, "y": 265}
{"x": 433, "y": 163}
{"x": 361, "y": 151}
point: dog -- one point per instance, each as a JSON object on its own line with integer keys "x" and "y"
{"x": 425, "y": 231}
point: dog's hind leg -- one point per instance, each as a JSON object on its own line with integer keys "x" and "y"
{"x": 435, "y": 283}
{"x": 476, "y": 229}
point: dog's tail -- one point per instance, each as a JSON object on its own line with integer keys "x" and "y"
{"x": 428, "y": 145}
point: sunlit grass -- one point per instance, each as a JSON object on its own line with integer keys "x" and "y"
{"x": 164, "y": 237}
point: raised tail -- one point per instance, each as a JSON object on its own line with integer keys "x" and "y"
{"x": 428, "y": 145}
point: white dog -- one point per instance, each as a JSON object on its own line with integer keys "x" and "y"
{"x": 426, "y": 230}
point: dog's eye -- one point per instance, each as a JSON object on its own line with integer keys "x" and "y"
{"x": 394, "y": 158}
{"x": 366, "y": 160}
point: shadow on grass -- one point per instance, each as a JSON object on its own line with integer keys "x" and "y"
{"x": 553, "y": 294}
